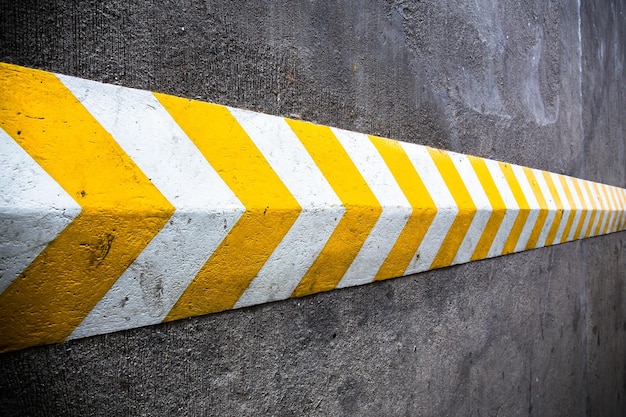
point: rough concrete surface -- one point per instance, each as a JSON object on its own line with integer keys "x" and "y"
{"x": 535, "y": 83}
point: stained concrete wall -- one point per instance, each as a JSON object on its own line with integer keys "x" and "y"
{"x": 535, "y": 83}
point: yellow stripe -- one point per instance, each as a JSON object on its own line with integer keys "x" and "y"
{"x": 544, "y": 210}
{"x": 559, "y": 209}
{"x": 585, "y": 209}
{"x": 601, "y": 208}
{"x": 362, "y": 208}
{"x": 463, "y": 200}
{"x": 594, "y": 208}
{"x": 497, "y": 204}
{"x": 524, "y": 208}
{"x": 572, "y": 204}
{"x": 424, "y": 209}
{"x": 270, "y": 212}
{"x": 121, "y": 210}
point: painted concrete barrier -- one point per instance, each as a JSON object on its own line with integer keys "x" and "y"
{"x": 123, "y": 208}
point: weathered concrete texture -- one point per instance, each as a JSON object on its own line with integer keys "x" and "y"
{"x": 604, "y": 50}
{"x": 537, "y": 333}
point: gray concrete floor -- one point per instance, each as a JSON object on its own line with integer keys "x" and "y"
{"x": 534, "y": 83}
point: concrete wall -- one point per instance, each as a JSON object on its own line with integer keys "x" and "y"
{"x": 534, "y": 83}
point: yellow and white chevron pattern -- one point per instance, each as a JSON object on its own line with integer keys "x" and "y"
{"x": 123, "y": 208}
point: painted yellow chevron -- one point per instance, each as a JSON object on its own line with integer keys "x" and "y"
{"x": 121, "y": 210}
{"x": 585, "y": 209}
{"x": 422, "y": 204}
{"x": 497, "y": 205}
{"x": 270, "y": 207}
{"x": 559, "y": 209}
{"x": 524, "y": 208}
{"x": 463, "y": 200}
{"x": 593, "y": 207}
{"x": 544, "y": 210}
{"x": 362, "y": 208}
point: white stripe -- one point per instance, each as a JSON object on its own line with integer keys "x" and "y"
{"x": 481, "y": 201}
{"x": 446, "y": 207}
{"x": 547, "y": 196}
{"x": 567, "y": 210}
{"x": 321, "y": 208}
{"x": 206, "y": 209}
{"x": 533, "y": 205}
{"x": 396, "y": 208}
{"x": 578, "y": 207}
{"x": 512, "y": 209}
{"x": 34, "y": 209}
